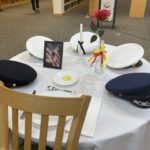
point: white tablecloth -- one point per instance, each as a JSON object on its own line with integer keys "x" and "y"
{"x": 120, "y": 125}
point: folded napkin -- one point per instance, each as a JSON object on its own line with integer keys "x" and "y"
{"x": 91, "y": 118}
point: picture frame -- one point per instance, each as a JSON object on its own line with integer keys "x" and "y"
{"x": 53, "y": 54}
{"x": 112, "y": 6}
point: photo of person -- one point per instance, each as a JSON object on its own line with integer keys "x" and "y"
{"x": 53, "y": 52}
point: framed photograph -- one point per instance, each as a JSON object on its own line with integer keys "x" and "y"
{"x": 110, "y": 5}
{"x": 53, "y": 53}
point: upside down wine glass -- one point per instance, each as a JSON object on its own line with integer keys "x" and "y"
{"x": 80, "y": 48}
{"x": 81, "y": 53}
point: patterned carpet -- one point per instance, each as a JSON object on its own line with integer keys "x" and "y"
{"x": 19, "y": 23}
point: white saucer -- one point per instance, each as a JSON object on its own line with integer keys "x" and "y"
{"x": 86, "y": 36}
{"x": 125, "y": 55}
{"x": 53, "y": 120}
{"x": 35, "y": 45}
{"x": 58, "y": 78}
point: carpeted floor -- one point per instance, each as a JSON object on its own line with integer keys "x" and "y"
{"x": 19, "y": 23}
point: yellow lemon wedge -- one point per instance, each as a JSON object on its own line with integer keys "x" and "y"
{"x": 66, "y": 77}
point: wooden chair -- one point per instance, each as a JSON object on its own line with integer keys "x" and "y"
{"x": 62, "y": 107}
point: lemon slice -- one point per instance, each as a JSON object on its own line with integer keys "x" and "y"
{"x": 66, "y": 77}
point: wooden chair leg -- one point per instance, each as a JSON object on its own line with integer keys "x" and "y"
{"x": 1, "y": 6}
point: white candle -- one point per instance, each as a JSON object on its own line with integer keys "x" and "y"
{"x": 81, "y": 30}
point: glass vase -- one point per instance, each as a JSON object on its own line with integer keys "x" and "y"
{"x": 99, "y": 68}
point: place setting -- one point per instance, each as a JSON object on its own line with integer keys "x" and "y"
{"x": 131, "y": 83}
{"x": 126, "y": 58}
{"x": 52, "y": 91}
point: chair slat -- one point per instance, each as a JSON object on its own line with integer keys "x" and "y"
{"x": 15, "y": 129}
{"x": 28, "y": 130}
{"x": 3, "y": 127}
{"x": 73, "y": 134}
{"x": 43, "y": 132}
{"x": 60, "y": 131}
{"x": 76, "y": 127}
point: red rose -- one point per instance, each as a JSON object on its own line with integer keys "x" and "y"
{"x": 101, "y": 15}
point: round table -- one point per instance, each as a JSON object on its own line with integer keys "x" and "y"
{"x": 120, "y": 125}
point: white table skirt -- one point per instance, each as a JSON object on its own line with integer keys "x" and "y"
{"x": 120, "y": 125}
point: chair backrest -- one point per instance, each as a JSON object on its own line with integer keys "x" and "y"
{"x": 62, "y": 107}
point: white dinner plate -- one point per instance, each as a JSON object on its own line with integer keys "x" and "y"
{"x": 125, "y": 55}
{"x": 35, "y": 45}
{"x": 53, "y": 120}
{"x": 86, "y": 37}
{"x": 65, "y": 78}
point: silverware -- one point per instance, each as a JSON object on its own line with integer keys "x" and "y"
{"x": 52, "y": 88}
{"x": 23, "y": 113}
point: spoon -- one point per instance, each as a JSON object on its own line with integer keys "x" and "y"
{"x": 52, "y": 88}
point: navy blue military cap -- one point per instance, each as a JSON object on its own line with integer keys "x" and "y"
{"x": 134, "y": 87}
{"x": 14, "y": 73}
